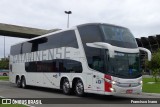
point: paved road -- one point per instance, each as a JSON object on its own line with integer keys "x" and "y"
{"x": 9, "y": 90}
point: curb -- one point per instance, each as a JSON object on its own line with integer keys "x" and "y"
{"x": 152, "y": 94}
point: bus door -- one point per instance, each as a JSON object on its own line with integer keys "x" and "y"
{"x": 98, "y": 81}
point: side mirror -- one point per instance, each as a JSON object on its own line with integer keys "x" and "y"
{"x": 104, "y": 46}
{"x": 148, "y": 52}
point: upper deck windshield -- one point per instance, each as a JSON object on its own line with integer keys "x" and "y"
{"x": 118, "y": 36}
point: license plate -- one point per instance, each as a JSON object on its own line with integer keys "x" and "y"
{"x": 129, "y": 91}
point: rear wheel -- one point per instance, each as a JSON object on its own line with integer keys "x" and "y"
{"x": 18, "y": 82}
{"x": 66, "y": 87}
{"x": 23, "y": 82}
{"x": 79, "y": 88}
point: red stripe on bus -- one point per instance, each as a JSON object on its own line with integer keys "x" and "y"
{"x": 107, "y": 85}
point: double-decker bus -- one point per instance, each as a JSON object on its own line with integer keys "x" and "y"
{"x": 90, "y": 58}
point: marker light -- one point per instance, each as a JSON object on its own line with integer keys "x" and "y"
{"x": 113, "y": 82}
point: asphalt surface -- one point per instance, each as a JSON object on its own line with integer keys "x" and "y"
{"x": 9, "y": 90}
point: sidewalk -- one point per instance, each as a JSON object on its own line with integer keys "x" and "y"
{"x": 147, "y": 76}
{"x": 151, "y": 94}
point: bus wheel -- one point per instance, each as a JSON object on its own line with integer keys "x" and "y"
{"x": 23, "y": 82}
{"x": 79, "y": 88}
{"x": 66, "y": 87}
{"x": 18, "y": 82}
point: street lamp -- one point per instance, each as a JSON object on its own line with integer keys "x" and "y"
{"x": 68, "y": 12}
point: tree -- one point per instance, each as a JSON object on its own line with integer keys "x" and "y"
{"x": 4, "y": 63}
{"x": 154, "y": 64}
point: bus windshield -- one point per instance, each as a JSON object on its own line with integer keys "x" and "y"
{"x": 118, "y": 36}
{"x": 125, "y": 65}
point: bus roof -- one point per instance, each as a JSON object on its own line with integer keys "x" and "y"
{"x": 100, "y": 24}
{"x": 72, "y": 28}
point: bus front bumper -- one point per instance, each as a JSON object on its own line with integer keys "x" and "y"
{"x": 125, "y": 90}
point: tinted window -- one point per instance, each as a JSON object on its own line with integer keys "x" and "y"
{"x": 68, "y": 39}
{"x": 56, "y": 65}
{"x": 63, "y": 39}
{"x": 71, "y": 66}
{"x": 90, "y": 33}
{"x": 125, "y": 65}
{"x": 95, "y": 58}
{"x": 42, "y": 66}
{"x": 31, "y": 66}
{"x": 26, "y": 47}
{"x": 53, "y": 41}
{"x": 37, "y": 42}
{"x": 16, "y": 49}
{"x": 118, "y": 36}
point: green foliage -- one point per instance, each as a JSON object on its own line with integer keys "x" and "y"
{"x": 154, "y": 64}
{"x": 4, "y": 78}
{"x": 150, "y": 88}
{"x": 4, "y": 64}
{"x": 12, "y": 105}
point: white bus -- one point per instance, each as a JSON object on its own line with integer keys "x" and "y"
{"x": 90, "y": 58}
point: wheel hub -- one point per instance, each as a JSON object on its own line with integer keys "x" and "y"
{"x": 79, "y": 88}
{"x": 66, "y": 87}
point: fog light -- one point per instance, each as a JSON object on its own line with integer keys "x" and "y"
{"x": 112, "y": 89}
{"x": 113, "y": 82}
{"x": 140, "y": 82}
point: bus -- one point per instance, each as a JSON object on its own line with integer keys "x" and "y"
{"x": 89, "y": 58}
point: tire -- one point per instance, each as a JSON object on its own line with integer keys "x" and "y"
{"x": 79, "y": 88}
{"x": 18, "y": 82}
{"x": 23, "y": 82}
{"x": 66, "y": 87}
{"x": 4, "y": 74}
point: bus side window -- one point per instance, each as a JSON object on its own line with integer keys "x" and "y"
{"x": 69, "y": 66}
{"x": 68, "y": 39}
{"x": 62, "y": 67}
{"x": 16, "y": 49}
{"x": 96, "y": 59}
{"x": 98, "y": 64}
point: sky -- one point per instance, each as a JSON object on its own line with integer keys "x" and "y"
{"x": 142, "y": 17}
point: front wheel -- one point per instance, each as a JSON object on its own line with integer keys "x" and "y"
{"x": 66, "y": 87}
{"x": 79, "y": 88}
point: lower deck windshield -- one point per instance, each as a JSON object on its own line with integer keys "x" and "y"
{"x": 125, "y": 65}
